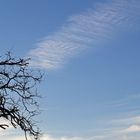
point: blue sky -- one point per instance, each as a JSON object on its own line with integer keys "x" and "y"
{"x": 89, "y": 51}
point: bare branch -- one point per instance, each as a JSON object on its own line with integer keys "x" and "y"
{"x": 18, "y": 93}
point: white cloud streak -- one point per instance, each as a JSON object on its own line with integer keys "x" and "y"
{"x": 110, "y": 137}
{"x": 84, "y": 30}
{"x": 132, "y": 129}
{"x": 126, "y": 129}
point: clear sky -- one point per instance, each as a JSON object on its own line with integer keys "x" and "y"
{"x": 90, "y": 52}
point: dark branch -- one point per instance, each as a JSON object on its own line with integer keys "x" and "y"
{"x": 18, "y": 94}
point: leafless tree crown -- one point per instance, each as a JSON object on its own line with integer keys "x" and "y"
{"x": 18, "y": 94}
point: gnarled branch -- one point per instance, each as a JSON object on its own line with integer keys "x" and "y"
{"x": 18, "y": 94}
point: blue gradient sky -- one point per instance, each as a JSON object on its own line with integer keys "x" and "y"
{"x": 89, "y": 51}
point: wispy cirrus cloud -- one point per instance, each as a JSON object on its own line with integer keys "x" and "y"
{"x": 84, "y": 30}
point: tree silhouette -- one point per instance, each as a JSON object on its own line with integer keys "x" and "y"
{"x": 18, "y": 94}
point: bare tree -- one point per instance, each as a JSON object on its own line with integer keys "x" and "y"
{"x": 18, "y": 94}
